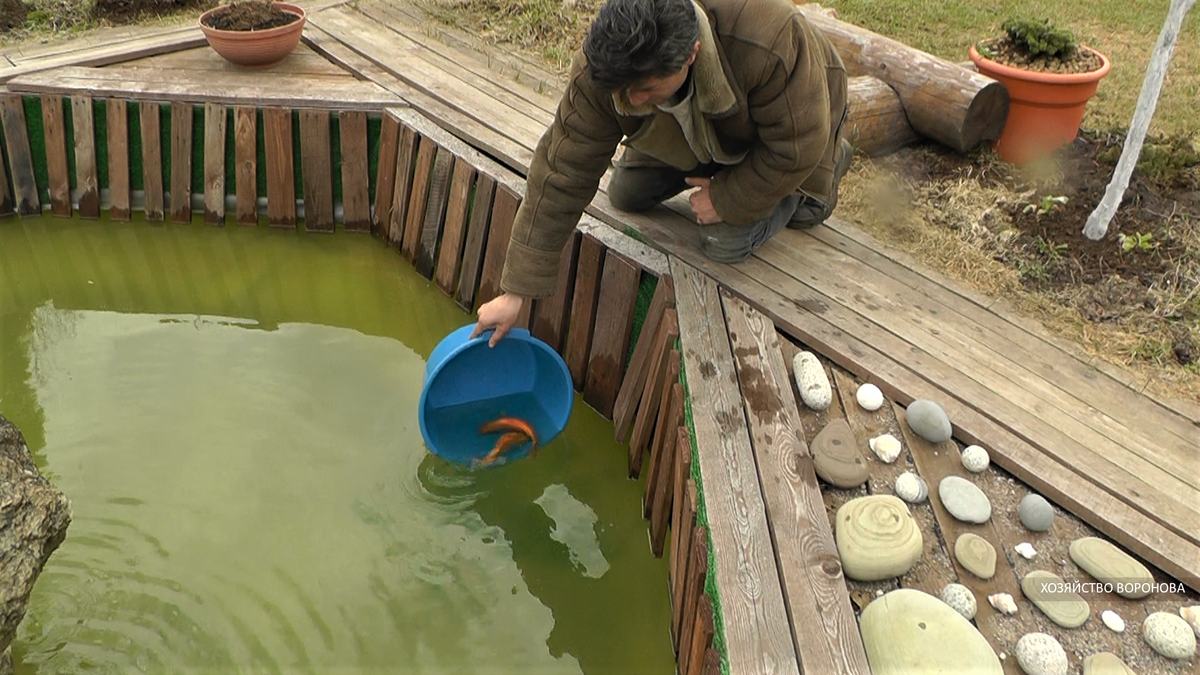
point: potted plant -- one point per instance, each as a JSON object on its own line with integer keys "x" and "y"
{"x": 1049, "y": 77}
{"x": 253, "y": 33}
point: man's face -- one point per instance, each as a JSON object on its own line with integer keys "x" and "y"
{"x": 659, "y": 90}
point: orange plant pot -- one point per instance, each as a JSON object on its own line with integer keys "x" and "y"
{"x": 1045, "y": 109}
{"x": 256, "y": 48}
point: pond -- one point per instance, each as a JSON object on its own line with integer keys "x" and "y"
{"x": 232, "y": 413}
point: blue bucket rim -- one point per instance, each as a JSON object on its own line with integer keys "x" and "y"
{"x": 518, "y": 333}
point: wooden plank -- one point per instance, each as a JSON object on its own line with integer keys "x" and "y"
{"x": 477, "y": 232}
{"x": 104, "y": 55}
{"x": 281, "y": 185}
{"x": 635, "y": 379}
{"x": 20, "y": 157}
{"x": 6, "y": 191}
{"x": 401, "y": 191}
{"x": 435, "y": 211}
{"x": 301, "y": 63}
{"x": 181, "y": 162}
{"x": 702, "y": 637}
{"x": 583, "y": 309}
{"x": 246, "y": 157}
{"x": 118, "y": 159}
{"x": 385, "y": 175}
{"x": 824, "y": 630}
{"x": 664, "y": 427}
{"x": 649, "y": 403}
{"x": 56, "y": 156}
{"x": 86, "y": 178}
{"x": 934, "y": 462}
{"x": 683, "y": 522}
{"x": 504, "y": 211}
{"x": 356, "y": 188}
{"x": 197, "y": 87}
{"x": 214, "y": 164}
{"x": 1021, "y": 340}
{"x": 712, "y": 662}
{"x": 152, "y": 174}
{"x": 316, "y": 170}
{"x": 660, "y": 508}
{"x": 419, "y": 197}
{"x": 697, "y": 577}
{"x": 449, "y": 264}
{"x": 610, "y": 338}
{"x": 550, "y": 314}
{"x": 752, "y": 606}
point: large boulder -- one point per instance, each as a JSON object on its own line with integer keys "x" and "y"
{"x": 34, "y": 516}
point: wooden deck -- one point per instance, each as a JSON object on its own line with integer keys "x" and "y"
{"x": 1081, "y": 433}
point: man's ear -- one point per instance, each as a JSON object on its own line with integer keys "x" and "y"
{"x": 695, "y": 51}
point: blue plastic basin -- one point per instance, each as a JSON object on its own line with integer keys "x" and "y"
{"x": 468, "y": 383}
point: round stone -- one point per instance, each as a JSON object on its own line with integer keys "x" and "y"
{"x": 1169, "y": 635}
{"x": 975, "y": 459}
{"x": 1049, "y": 593}
{"x": 908, "y": 631}
{"x": 964, "y": 500}
{"x": 1036, "y": 513}
{"x": 812, "y": 381}
{"x": 976, "y": 555}
{"x": 929, "y": 421}
{"x": 836, "y": 458}
{"x": 1105, "y": 663}
{"x": 877, "y": 538}
{"x": 1041, "y": 654}
{"x": 961, "y": 599}
{"x": 869, "y": 397}
{"x": 1109, "y": 564}
{"x": 911, "y": 488}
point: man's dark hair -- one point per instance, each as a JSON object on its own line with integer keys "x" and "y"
{"x": 631, "y": 40}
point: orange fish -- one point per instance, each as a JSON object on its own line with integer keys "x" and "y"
{"x": 518, "y": 432}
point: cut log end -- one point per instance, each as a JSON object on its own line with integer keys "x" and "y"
{"x": 985, "y": 116}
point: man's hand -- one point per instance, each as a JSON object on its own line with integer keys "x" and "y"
{"x": 500, "y": 313}
{"x": 702, "y": 201}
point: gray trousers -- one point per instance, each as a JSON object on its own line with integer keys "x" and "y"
{"x": 639, "y": 188}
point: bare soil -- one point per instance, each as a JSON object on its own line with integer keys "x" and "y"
{"x": 1004, "y": 51}
{"x": 250, "y": 15}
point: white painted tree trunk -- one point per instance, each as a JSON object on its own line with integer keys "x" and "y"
{"x": 1098, "y": 221}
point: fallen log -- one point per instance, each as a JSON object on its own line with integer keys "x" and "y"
{"x": 944, "y": 101}
{"x": 877, "y": 124}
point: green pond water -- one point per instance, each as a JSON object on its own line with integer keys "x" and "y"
{"x": 232, "y": 413}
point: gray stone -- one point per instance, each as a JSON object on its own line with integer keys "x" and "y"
{"x": 1109, "y": 564}
{"x": 976, "y": 555}
{"x": 1041, "y": 654}
{"x": 1105, "y": 663}
{"x": 964, "y": 500}
{"x": 877, "y": 538}
{"x": 1169, "y": 635}
{"x": 908, "y": 631}
{"x": 1048, "y": 592}
{"x": 960, "y": 599}
{"x": 34, "y": 517}
{"x": 1036, "y": 513}
{"x": 836, "y": 458}
{"x": 929, "y": 421}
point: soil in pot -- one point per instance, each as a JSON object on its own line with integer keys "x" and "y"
{"x": 1004, "y": 51}
{"x": 248, "y": 16}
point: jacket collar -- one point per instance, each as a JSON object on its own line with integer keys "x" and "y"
{"x": 714, "y": 95}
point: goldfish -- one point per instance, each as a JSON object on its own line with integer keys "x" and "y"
{"x": 518, "y": 432}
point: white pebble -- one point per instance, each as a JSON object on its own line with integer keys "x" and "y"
{"x": 1041, "y": 654}
{"x": 1192, "y": 616}
{"x": 869, "y": 397}
{"x": 1113, "y": 620}
{"x": 1169, "y": 635}
{"x": 812, "y": 381}
{"x": 975, "y": 459}
{"x": 1003, "y": 602}
{"x": 911, "y": 488}
{"x": 1026, "y": 550}
{"x": 960, "y": 599}
{"x": 885, "y": 447}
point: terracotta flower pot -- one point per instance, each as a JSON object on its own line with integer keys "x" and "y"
{"x": 258, "y": 48}
{"x": 1045, "y": 109}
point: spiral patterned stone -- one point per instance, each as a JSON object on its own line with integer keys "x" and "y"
{"x": 877, "y": 538}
